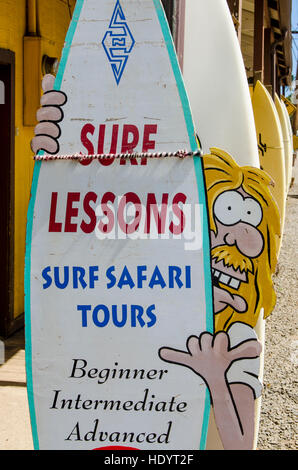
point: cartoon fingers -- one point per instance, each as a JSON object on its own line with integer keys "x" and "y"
{"x": 47, "y": 132}
{"x": 48, "y": 83}
{"x": 210, "y": 356}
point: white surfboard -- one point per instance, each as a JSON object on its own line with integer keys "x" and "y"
{"x": 219, "y": 96}
{"x": 102, "y": 294}
{"x": 282, "y": 111}
{"x": 216, "y": 82}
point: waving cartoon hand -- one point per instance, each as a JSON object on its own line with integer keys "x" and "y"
{"x": 47, "y": 132}
{"x": 211, "y": 356}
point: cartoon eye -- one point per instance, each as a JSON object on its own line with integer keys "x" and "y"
{"x": 228, "y": 207}
{"x": 251, "y": 212}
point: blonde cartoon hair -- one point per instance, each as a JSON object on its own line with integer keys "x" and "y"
{"x": 222, "y": 173}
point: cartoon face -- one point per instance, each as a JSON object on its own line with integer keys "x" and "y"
{"x": 239, "y": 210}
{"x": 244, "y": 224}
{"x": 236, "y": 241}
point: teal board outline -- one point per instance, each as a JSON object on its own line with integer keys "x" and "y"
{"x": 202, "y": 198}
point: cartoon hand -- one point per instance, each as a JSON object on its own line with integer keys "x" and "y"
{"x": 211, "y": 356}
{"x": 47, "y": 131}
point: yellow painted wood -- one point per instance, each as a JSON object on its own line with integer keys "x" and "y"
{"x": 286, "y": 138}
{"x": 32, "y": 77}
{"x": 32, "y": 17}
{"x": 52, "y": 19}
{"x": 271, "y": 146}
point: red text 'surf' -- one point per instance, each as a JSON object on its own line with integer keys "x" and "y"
{"x": 120, "y": 139}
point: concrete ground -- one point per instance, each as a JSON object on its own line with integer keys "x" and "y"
{"x": 278, "y": 423}
{"x": 15, "y": 429}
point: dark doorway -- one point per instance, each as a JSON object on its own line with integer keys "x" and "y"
{"x": 7, "y": 125}
{"x": 175, "y": 13}
{"x": 169, "y": 11}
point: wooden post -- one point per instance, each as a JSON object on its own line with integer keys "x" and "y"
{"x": 236, "y": 12}
{"x": 31, "y": 18}
{"x": 175, "y": 12}
{"x": 275, "y": 76}
{"x": 268, "y": 61}
{"x": 240, "y": 4}
{"x": 259, "y": 36}
{"x": 179, "y": 12}
{"x": 274, "y": 65}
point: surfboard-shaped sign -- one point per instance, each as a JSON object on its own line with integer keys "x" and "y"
{"x": 117, "y": 260}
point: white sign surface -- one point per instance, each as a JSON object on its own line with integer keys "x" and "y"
{"x": 117, "y": 262}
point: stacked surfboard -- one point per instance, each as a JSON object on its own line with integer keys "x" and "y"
{"x": 287, "y": 138}
{"x": 224, "y": 116}
{"x": 216, "y": 83}
{"x": 275, "y": 143}
{"x": 271, "y": 144}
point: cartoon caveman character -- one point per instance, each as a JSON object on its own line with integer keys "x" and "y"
{"x": 244, "y": 226}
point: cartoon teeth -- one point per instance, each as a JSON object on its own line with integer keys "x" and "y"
{"x": 226, "y": 279}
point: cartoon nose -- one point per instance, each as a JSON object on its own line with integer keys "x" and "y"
{"x": 247, "y": 238}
